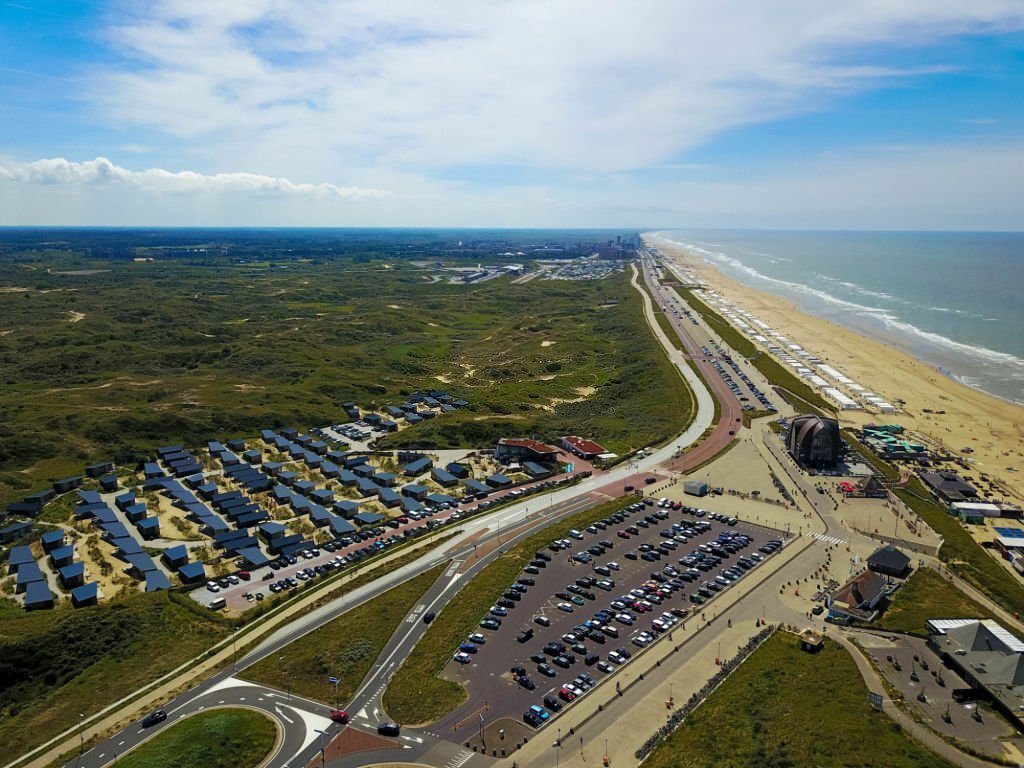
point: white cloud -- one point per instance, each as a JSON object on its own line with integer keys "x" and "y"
{"x": 579, "y": 85}
{"x": 102, "y": 172}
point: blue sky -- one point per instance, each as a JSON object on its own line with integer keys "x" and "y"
{"x": 898, "y": 115}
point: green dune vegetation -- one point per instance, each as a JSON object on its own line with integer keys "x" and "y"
{"x": 103, "y": 358}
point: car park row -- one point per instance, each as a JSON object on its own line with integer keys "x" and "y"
{"x": 696, "y": 576}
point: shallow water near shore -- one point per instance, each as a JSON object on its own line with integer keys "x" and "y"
{"x": 952, "y": 299}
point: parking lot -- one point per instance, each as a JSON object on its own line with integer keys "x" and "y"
{"x": 590, "y": 602}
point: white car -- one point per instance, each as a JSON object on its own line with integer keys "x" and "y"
{"x": 567, "y": 607}
{"x": 462, "y": 658}
{"x": 612, "y": 565}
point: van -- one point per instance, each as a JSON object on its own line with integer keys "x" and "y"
{"x": 217, "y": 604}
{"x": 610, "y": 631}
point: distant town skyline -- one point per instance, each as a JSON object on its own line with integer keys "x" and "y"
{"x": 899, "y": 115}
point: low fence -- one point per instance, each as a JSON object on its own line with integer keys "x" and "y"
{"x": 727, "y": 668}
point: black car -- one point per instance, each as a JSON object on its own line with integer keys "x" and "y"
{"x": 153, "y": 718}
{"x": 552, "y": 703}
{"x": 526, "y": 682}
{"x": 538, "y": 658}
{"x": 545, "y": 670}
{"x": 428, "y": 617}
{"x": 389, "y": 729}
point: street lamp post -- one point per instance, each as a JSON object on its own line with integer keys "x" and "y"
{"x": 81, "y": 737}
{"x": 323, "y": 754}
{"x": 234, "y": 656}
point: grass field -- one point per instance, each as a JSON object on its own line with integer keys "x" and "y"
{"x": 187, "y": 351}
{"x": 928, "y": 596}
{"x": 962, "y": 553}
{"x": 219, "y": 738}
{"x": 57, "y": 664}
{"x": 416, "y": 693}
{"x": 345, "y": 648}
{"x": 785, "y": 708}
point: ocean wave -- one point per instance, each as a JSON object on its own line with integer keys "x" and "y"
{"x": 1012, "y": 367}
{"x": 1013, "y": 364}
{"x": 788, "y": 285}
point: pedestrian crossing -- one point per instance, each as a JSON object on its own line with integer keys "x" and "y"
{"x": 459, "y": 760}
{"x": 824, "y": 538}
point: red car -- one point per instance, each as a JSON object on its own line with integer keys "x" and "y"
{"x": 566, "y": 695}
{"x": 622, "y": 535}
{"x": 339, "y": 716}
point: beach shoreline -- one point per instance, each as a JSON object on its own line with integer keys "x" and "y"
{"x": 893, "y": 312}
{"x": 990, "y": 426}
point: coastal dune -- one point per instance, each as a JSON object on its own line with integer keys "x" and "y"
{"x": 993, "y": 429}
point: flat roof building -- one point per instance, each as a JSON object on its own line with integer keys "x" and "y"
{"x": 523, "y": 449}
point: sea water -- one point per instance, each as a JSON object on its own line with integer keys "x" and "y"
{"x": 954, "y": 300}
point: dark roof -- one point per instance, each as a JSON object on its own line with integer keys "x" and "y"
{"x": 156, "y": 581}
{"x": 37, "y": 593}
{"x": 340, "y": 525}
{"x": 50, "y": 537}
{"x": 142, "y": 562}
{"x": 417, "y": 466}
{"x": 193, "y": 570}
{"x": 949, "y": 485}
{"x": 86, "y": 592}
{"x": 254, "y": 556}
{"x": 62, "y": 553}
{"x": 368, "y": 518}
{"x": 176, "y": 552}
{"x": 29, "y": 572}
{"x": 69, "y": 572}
{"x": 889, "y": 557}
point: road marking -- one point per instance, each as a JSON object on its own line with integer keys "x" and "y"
{"x": 362, "y": 713}
{"x": 417, "y": 739}
{"x": 283, "y": 715}
{"x": 824, "y": 538}
{"x": 459, "y": 760}
{"x": 120, "y": 743}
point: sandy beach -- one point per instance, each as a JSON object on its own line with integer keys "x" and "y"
{"x": 992, "y": 428}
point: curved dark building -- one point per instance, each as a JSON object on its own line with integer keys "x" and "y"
{"x": 814, "y": 441}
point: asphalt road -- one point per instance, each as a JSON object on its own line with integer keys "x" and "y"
{"x": 731, "y": 414}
